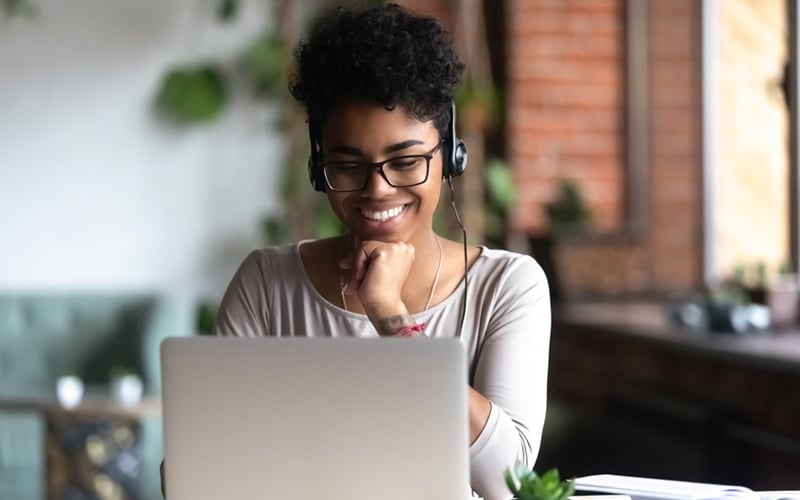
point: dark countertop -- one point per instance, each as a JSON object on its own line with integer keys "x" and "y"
{"x": 649, "y": 322}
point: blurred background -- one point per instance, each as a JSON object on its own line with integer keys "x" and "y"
{"x": 643, "y": 151}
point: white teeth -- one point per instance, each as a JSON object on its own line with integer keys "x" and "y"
{"x": 382, "y": 216}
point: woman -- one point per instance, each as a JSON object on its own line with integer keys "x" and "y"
{"x": 377, "y": 85}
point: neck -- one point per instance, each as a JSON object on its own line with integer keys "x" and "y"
{"x": 426, "y": 247}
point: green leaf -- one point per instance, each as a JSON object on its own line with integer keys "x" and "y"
{"x": 226, "y": 9}
{"x": 273, "y": 229}
{"x": 511, "y": 482}
{"x": 568, "y": 211}
{"x": 525, "y": 484}
{"x": 263, "y": 60}
{"x": 500, "y": 184}
{"x": 550, "y": 479}
{"x": 329, "y": 224}
{"x": 22, "y": 8}
{"x": 192, "y": 94}
{"x": 483, "y": 97}
{"x": 206, "y": 317}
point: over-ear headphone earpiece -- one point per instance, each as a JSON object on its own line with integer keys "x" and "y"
{"x": 315, "y": 173}
{"x": 459, "y": 159}
{"x": 456, "y": 149}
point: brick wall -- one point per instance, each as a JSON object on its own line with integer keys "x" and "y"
{"x": 565, "y": 69}
{"x": 565, "y": 106}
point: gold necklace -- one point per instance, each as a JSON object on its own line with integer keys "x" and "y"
{"x": 435, "y": 276}
{"x": 433, "y": 287}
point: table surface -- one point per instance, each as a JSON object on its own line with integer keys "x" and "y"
{"x": 649, "y": 321}
{"x": 92, "y": 404}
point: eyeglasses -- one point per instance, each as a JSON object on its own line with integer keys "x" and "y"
{"x": 400, "y": 171}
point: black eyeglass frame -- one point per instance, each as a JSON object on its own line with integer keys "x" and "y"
{"x": 379, "y": 167}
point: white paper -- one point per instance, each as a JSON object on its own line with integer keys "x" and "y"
{"x": 779, "y": 495}
{"x": 639, "y": 488}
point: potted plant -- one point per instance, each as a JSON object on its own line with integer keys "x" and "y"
{"x": 526, "y": 484}
{"x": 567, "y": 216}
{"x": 780, "y": 293}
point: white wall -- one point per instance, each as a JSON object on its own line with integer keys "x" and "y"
{"x": 96, "y": 190}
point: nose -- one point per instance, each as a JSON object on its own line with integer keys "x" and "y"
{"x": 377, "y": 184}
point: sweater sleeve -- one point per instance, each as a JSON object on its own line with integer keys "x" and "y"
{"x": 511, "y": 372}
{"x": 244, "y": 310}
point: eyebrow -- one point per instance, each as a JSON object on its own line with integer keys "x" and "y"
{"x": 387, "y": 150}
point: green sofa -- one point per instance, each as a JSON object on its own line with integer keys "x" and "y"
{"x": 45, "y": 335}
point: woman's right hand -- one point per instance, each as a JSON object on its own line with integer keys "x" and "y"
{"x": 378, "y": 271}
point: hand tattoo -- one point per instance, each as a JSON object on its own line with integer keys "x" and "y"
{"x": 389, "y": 325}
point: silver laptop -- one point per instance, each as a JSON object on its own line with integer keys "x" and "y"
{"x": 322, "y": 419}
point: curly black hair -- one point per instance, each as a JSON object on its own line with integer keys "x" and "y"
{"x": 385, "y": 53}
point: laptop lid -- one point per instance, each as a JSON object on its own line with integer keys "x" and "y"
{"x": 314, "y": 418}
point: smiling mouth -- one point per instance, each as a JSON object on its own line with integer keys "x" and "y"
{"x": 382, "y": 215}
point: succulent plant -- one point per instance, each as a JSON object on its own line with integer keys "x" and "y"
{"x": 526, "y": 484}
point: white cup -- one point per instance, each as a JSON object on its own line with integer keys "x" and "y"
{"x": 69, "y": 391}
{"x": 127, "y": 389}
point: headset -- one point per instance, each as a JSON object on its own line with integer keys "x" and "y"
{"x": 454, "y": 148}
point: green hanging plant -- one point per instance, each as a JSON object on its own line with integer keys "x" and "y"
{"x": 263, "y": 62}
{"x": 192, "y": 94}
{"x": 23, "y": 8}
{"x": 227, "y": 10}
{"x": 480, "y": 103}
